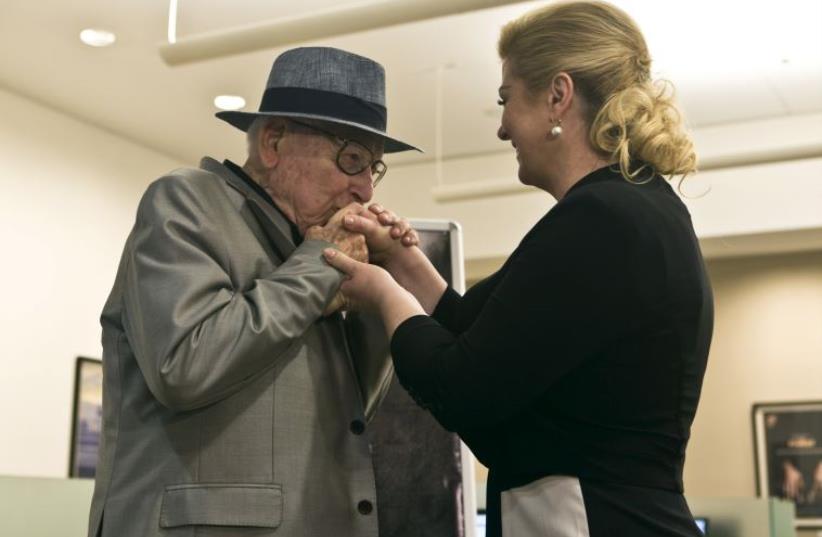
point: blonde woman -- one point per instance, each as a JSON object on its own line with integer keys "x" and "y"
{"x": 574, "y": 372}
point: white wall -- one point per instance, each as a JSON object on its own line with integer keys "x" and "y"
{"x": 69, "y": 195}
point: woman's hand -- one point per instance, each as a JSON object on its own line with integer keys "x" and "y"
{"x": 365, "y": 285}
{"x": 371, "y": 288}
{"x": 385, "y": 233}
{"x": 392, "y": 244}
{"x": 400, "y": 227}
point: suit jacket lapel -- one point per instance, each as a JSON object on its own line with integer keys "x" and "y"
{"x": 273, "y": 224}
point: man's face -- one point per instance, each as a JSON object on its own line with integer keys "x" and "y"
{"x": 308, "y": 184}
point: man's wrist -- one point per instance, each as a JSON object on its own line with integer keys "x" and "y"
{"x": 316, "y": 233}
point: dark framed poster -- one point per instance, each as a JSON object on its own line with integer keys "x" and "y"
{"x": 788, "y": 449}
{"x": 87, "y": 417}
{"x": 424, "y": 474}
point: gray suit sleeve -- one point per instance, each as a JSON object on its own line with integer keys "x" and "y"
{"x": 197, "y": 337}
{"x": 370, "y": 353}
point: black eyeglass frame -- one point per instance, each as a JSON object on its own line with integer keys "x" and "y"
{"x": 378, "y": 167}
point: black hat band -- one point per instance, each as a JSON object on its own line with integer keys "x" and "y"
{"x": 324, "y": 103}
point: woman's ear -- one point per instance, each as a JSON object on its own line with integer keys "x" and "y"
{"x": 561, "y": 94}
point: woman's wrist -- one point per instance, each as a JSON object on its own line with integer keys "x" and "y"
{"x": 404, "y": 261}
{"x": 396, "y": 306}
{"x": 414, "y": 272}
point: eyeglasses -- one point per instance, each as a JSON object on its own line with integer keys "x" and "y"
{"x": 353, "y": 158}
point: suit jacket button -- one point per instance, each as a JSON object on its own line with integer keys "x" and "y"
{"x": 365, "y": 507}
{"x": 357, "y": 427}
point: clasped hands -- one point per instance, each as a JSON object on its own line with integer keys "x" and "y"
{"x": 365, "y": 235}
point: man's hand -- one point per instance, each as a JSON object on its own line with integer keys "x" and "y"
{"x": 349, "y": 242}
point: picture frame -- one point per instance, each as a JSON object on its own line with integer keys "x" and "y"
{"x": 424, "y": 474}
{"x": 788, "y": 456}
{"x": 87, "y": 417}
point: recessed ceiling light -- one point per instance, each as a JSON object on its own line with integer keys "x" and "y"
{"x": 97, "y": 38}
{"x": 229, "y": 102}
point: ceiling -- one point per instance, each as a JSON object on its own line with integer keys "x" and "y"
{"x": 731, "y": 61}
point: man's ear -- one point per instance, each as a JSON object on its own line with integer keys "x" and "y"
{"x": 269, "y": 140}
{"x": 561, "y": 94}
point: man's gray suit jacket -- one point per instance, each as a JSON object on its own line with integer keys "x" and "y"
{"x": 231, "y": 406}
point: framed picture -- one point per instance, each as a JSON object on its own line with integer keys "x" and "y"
{"x": 424, "y": 474}
{"x": 87, "y": 417}
{"x": 788, "y": 447}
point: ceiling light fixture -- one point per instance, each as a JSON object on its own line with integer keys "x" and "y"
{"x": 97, "y": 38}
{"x": 172, "y": 21}
{"x": 229, "y": 102}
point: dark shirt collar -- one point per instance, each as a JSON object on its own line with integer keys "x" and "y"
{"x": 609, "y": 172}
{"x": 239, "y": 172}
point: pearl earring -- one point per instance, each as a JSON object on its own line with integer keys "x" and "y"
{"x": 556, "y": 130}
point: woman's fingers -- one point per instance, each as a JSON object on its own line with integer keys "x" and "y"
{"x": 359, "y": 224}
{"x": 384, "y": 216}
{"x": 411, "y": 238}
{"x": 400, "y": 228}
{"x": 387, "y": 218}
{"x": 339, "y": 260}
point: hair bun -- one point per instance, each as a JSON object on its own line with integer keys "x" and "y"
{"x": 641, "y": 127}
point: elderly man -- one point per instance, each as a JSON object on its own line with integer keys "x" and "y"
{"x": 235, "y": 397}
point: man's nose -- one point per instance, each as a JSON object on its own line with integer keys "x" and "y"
{"x": 362, "y": 187}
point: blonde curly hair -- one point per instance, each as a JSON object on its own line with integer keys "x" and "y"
{"x": 633, "y": 119}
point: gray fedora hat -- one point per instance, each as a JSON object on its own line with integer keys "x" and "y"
{"x": 327, "y": 84}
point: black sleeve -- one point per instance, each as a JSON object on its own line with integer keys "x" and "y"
{"x": 457, "y": 313}
{"x": 565, "y": 295}
{"x": 447, "y": 309}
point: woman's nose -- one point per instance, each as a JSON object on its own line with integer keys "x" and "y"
{"x": 502, "y": 134}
